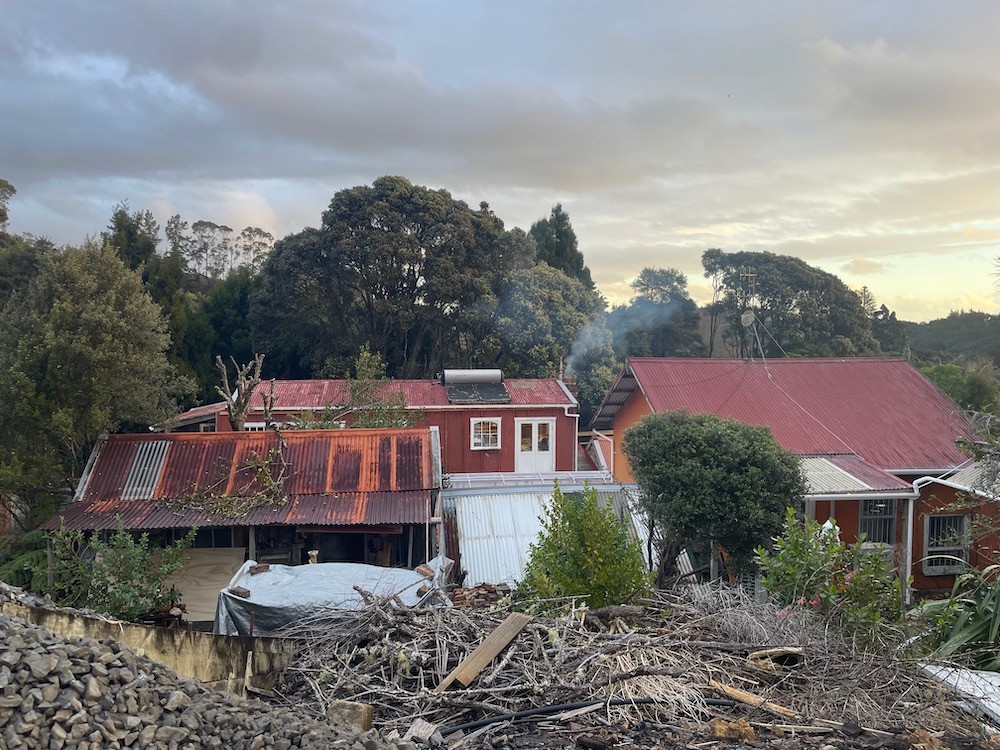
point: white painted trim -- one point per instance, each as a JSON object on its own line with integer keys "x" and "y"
{"x": 518, "y": 421}
{"x": 498, "y": 421}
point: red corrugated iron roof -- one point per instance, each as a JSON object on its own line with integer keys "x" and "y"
{"x": 333, "y": 477}
{"x": 882, "y": 409}
{"x": 315, "y": 394}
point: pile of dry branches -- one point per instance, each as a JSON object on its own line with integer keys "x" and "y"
{"x": 669, "y": 650}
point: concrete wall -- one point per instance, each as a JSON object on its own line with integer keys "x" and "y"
{"x": 217, "y": 660}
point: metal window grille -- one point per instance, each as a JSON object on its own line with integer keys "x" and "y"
{"x": 946, "y": 544}
{"x": 878, "y": 521}
{"x": 144, "y": 474}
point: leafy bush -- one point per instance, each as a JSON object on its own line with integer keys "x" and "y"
{"x": 123, "y": 576}
{"x": 584, "y": 550}
{"x": 707, "y": 479}
{"x": 966, "y": 625}
{"x": 811, "y": 567}
{"x": 24, "y": 561}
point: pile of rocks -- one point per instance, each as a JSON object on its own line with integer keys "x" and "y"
{"x": 482, "y": 595}
{"x": 76, "y": 692}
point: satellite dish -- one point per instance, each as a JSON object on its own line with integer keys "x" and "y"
{"x": 748, "y": 318}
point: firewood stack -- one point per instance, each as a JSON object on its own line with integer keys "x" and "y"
{"x": 483, "y": 595}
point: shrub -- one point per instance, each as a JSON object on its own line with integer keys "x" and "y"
{"x": 811, "y": 567}
{"x": 584, "y": 550}
{"x": 123, "y": 576}
{"x": 966, "y": 626}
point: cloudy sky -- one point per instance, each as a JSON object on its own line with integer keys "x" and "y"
{"x": 863, "y": 137}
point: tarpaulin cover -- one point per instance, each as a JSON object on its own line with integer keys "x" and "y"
{"x": 288, "y": 593}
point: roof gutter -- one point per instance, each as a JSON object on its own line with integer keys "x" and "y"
{"x": 895, "y": 494}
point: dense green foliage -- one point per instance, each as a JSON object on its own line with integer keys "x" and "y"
{"x": 972, "y": 334}
{"x": 583, "y": 550}
{"x": 706, "y": 479}
{"x": 661, "y": 320}
{"x": 804, "y": 311}
{"x": 82, "y": 352}
{"x": 974, "y": 386}
{"x": 123, "y": 575}
{"x": 809, "y": 566}
{"x": 557, "y": 246}
{"x": 965, "y": 627}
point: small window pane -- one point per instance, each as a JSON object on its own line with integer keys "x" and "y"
{"x": 486, "y": 433}
{"x": 526, "y": 437}
{"x": 543, "y": 436}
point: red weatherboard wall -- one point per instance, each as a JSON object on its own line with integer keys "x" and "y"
{"x": 455, "y": 425}
{"x": 936, "y": 498}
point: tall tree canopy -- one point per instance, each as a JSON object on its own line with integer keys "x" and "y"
{"x": 132, "y": 235}
{"x": 538, "y": 321}
{"x": 804, "y": 311}
{"x": 7, "y": 192}
{"x": 412, "y": 272}
{"x": 661, "y": 320}
{"x": 88, "y": 346}
{"x": 557, "y": 245}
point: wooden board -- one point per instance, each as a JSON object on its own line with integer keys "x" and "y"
{"x": 206, "y": 572}
{"x": 470, "y": 667}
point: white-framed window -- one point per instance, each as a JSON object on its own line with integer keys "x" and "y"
{"x": 206, "y": 427}
{"x": 946, "y": 544}
{"x": 484, "y": 434}
{"x": 254, "y": 426}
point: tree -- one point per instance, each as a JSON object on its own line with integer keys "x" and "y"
{"x": 408, "y": 270}
{"x": 239, "y": 395}
{"x": 972, "y": 384}
{"x": 583, "y": 550}
{"x": 212, "y": 249}
{"x": 369, "y": 401}
{"x": 661, "y": 320}
{"x": 20, "y": 259}
{"x": 134, "y": 236}
{"x": 83, "y": 352}
{"x": 251, "y": 249}
{"x": 557, "y": 245}
{"x": 800, "y": 310}
{"x": 540, "y": 316}
{"x": 705, "y": 479}
{"x": 7, "y": 191}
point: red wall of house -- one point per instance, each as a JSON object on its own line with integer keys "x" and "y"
{"x": 936, "y": 498}
{"x": 457, "y": 456}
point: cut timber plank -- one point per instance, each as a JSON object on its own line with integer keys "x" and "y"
{"x": 753, "y": 700}
{"x": 206, "y": 572}
{"x": 470, "y": 667}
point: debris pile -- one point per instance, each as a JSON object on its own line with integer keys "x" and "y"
{"x": 87, "y": 694}
{"x": 483, "y": 595}
{"x": 671, "y": 665}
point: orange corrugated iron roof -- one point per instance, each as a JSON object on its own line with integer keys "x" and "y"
{"x": 333, "y": 477}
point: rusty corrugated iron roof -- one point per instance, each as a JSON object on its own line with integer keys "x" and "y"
{"x": 333, "y": 477}
{"x": 880, "y": 408}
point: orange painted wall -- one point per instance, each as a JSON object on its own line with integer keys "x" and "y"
{"x": 635, "y": 408}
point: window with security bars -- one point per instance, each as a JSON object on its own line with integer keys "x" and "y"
{"x": 485, "y": 434}
{"x": 878, "y": 521}
{"x": 946, "y": 544}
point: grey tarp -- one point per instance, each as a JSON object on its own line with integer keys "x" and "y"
{"x": 287, "y": 593}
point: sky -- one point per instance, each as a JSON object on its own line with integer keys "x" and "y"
{"x": 862, "y": 137}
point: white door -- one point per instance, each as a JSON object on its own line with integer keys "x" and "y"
{"x": 535, "y": 445}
